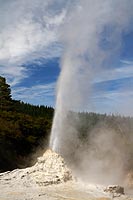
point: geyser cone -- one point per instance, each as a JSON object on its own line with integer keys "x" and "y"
{"x": 49, "y": 169}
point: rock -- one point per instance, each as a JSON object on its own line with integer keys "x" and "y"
{"x": 49, "y": 169}
{"x": 115, "y": 190}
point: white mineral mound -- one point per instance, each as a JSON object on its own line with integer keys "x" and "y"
{"x": 49, "y": 169}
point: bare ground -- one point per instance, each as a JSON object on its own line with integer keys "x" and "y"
{"x": 63, "y": 191}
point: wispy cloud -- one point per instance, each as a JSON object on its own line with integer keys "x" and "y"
{"x": 124, "y": 70}
{"x": 127, "y": 62}
{"x": 38, "y": 94}
{"x": 116, "y": 98}
{"x": 29, "y": 30}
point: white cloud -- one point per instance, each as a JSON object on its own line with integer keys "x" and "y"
{"x": 124, "y": 71}
{"x": 29, "y": 30}
{"x": 119, "y": 101}
{"x": 127, "y": 62}
{"x": 38, "y": 94}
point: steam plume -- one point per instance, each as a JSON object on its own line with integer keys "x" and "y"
{"x": 92, "y": 38}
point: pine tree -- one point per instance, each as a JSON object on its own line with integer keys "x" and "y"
{"x": 5, "y": 95}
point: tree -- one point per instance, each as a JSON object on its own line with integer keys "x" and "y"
{"x": 5, "y": 95}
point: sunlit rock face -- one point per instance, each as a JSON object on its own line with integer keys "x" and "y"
{"x": 49, "y": 169}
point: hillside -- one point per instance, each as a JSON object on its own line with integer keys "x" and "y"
{"x": 23, "y": 129}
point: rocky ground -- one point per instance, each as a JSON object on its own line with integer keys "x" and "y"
{"x": 50, "y": 179}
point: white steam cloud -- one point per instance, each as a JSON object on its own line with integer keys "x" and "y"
{"x": 92, "y": 38}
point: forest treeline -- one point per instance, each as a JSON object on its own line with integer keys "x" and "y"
{"x": 24, "y": 128}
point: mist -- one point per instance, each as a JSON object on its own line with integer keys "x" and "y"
{"x": 92, "y": 38}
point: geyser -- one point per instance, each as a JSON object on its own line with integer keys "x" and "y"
{"x": 92, "y": 39}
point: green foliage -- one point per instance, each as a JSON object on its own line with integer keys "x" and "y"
{"x": 32, "y": 110}
{"x": 23, "y": 134}
{"x": 23, "y": 128}
{"x": 5, "y": 95}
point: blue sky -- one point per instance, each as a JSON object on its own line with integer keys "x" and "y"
{"x": 30, "y": 53}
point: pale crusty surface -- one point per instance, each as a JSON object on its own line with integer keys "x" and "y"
{"x": 50, "y": 179}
